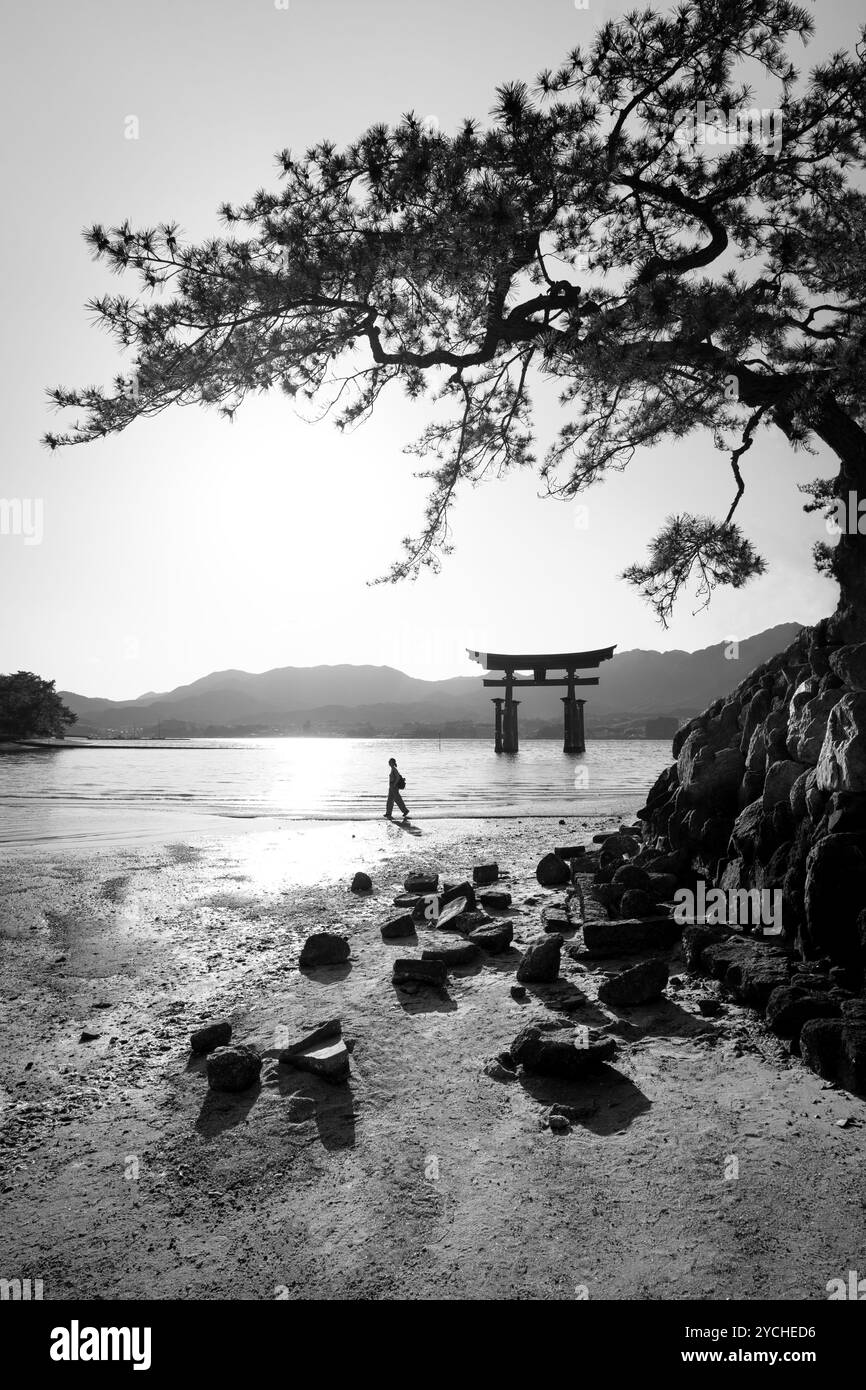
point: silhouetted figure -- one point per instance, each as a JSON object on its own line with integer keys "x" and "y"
{"x": 396, "y": 783}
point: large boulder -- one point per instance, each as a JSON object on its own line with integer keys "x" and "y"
{"x": 836, "y": 1050}
{"x": 630, "y": 876}
{"x": 635, "y": 986}
{"x": 849, "y": 664}
{"x": 636, "y": 903}
{"x": 323, "y": 948}
{"x": 835, "y": 894}
{"x": 790, "y": 1006}
{"x": 754, "y": 978}
{"x": 398, "y": 927}
{"x": 549, "y": 1055}
{"x": 540, "y": 961}
{"x": 807, "y": 726}
{"x": 234, "y": 1068}
{"x": 842, "y": 762}
{"x": 780, "y": 782}
{"x": 696, "y": 938}
{"x": 747, "y": 831}
{"x": 709, "y": 778}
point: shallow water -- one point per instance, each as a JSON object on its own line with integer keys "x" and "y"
{"x": 101, "y": 794}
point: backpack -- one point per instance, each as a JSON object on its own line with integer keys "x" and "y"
{"x": 401, "y": 784}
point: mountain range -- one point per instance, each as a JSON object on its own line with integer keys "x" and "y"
{"x": 641, "y": 693}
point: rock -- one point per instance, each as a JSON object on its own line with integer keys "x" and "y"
{"x": 495, "y": 901}
{"x": 213, "y": 1035}
{"x": 842, "y": 762}
{"x": 323, "y": 948}
{"x": 88, "y": 1037}
{"x": 424, "y": 972}
{"x": 619, "y": 846}
{"x": 506, "y": 1060}
{"x": 789, "y": 1007}
{"x": 797, "y": 797}
{"x": 461, "y": 953}
{"x": 537, "y": 1052}
{"x": 746, "y": 833}
{"x": 458, "y": 890}
{"x": 234, "y": 1068}
{"x": 835, "y": 894}
{"x": 398, "y": 926}
{"x": 453, "y": 916}
{"x": 497, "y": 1072}
{"x": 330, "y": 1061}
{"x": 709, "y": 778}
{"x": 552, "y": 872}
{"x": 421, "y": 883}
{"x": 540, "y": 962}
{"x": 810, "y": 982}
{"x": 555, "y": 918}
{"x": 322, "y": 1052}
{"x": 519, "y": 992}
{"x": 662, "y": 887}
{"x": 570, "y": 851}
{"x": 630, "y": 876}
{"x": 636, "y": 903}
{"x": 754, "y": 979}
{"x": 836, "y": 1050}
{"x": 807, "y": 726}
{"x": 849, "y": 664}
{"x": 362, "y": 883}
{"x": 635, "y": 986}
{"x": 854, "y": 1009}
{"x": 779, "y": 783}
{"x": 327, "y": 1031}
{"x": 558, "y": 1124}
{"x": 709, "y": 1008}
{"x": 846, "y": 814}
{"x": 696, "y": 938}
{"x": 629, "y": 935}
{"x": 494, "y": 938}
{"x": 816, "y": 799}
{"x": 408, "y": 900}
{"x": 485, "y": 873}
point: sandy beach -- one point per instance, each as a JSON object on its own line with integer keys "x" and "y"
{"x": 705, "y": 1162}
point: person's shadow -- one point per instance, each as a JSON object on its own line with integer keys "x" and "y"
{"x": 407, "y": 827}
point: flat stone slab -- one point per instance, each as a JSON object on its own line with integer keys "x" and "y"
{"x": 495, "y": 937}
{"x": 330, "y": 1060}
{"x": 485, "y": 873}
{"x": 461, "y": 953}
{"x": 419, "y": 971}
{"x": 398, "y": 926}
{"x": 546, "y": 1055}
{"x": 570, "y": 851}
{"x": 452, "y": 917}
{"x": 628, "y": 935}
{"x": 421, "y": 883}
{"x": 327, "y": 1031}
{"x": 556, "y": 918}
{"x": 214, "y": 1035}
{"x": 496, "y": 901}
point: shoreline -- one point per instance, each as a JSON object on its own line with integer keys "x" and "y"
{"x": 425, "y": 1178}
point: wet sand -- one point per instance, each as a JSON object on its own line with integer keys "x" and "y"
{"x": 705, "y": 1164}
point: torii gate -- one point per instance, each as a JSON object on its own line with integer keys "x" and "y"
{"x": 569, "y": 662}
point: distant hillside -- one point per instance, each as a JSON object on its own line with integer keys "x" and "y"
{"x": 635, "y": 687}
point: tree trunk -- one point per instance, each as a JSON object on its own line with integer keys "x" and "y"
{"x": 848, "y": 442}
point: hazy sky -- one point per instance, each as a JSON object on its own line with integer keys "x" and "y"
{"x": 187, "y": 544}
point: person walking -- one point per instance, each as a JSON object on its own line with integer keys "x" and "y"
{"x": 396, "y": 783}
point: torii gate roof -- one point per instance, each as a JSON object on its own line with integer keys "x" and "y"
{"x": 536, "y": 661}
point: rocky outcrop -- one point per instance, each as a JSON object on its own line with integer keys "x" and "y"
{"x": 768, "y": 791}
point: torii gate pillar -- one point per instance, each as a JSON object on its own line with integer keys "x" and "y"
{"x": 497, "y": 745}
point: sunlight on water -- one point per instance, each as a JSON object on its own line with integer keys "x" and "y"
{"x": 128, "y": 791}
